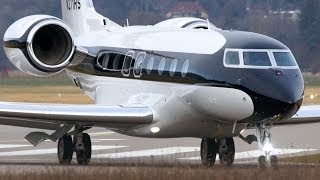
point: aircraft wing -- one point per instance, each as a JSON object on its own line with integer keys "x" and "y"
{"x": 306, "y": 115}
{"x": 51, "y": 117}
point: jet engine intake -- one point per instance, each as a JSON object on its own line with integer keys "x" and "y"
{"x": 39, "y": 45}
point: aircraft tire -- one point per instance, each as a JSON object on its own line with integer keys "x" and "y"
{"x": 208, "y": 151}
{"x": 65, "y": 150}
{"x": 274, "y": 161}
{"x": 84, "y": 156}
{"x": 262, "y": 162}
{"x": 227, "y": 157}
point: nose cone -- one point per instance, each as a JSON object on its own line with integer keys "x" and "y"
{"x": 287, "y": 86}
{"x": 284, "y": 85}
{"x": 274, "y": 92}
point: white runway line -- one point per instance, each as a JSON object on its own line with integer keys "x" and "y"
{"x": 150, "y": 152}
{"x": 7, "y": 146}
{"x": 108, "y": 139}
{"x": 101, "y": 133}
{"x": 101, "y": 140}
{"x": 257, "y": 153}
{"x": 49, "y": 151}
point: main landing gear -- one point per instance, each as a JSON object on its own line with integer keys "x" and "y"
{"x": 210, "y": 148}
{"x": 81, "y": 144}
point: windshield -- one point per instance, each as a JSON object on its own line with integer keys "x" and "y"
{"x": 259, "y": 58}
{"x": 284, "y": 59}
{"x": 256, "y": 59}
{"x": 232, "y": 58}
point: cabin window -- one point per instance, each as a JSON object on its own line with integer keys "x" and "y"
{"x": 150, "y": 65}
{"x": 173, "y": 67}
{"x": 256, "y": 59}
{"x": 232, "y": 58}
{"x": 118, "y": 62}
{"x": 284, "y": 59}
{"x": 161, "y": 66}
{"x": 108, "y": 61}
{"x": 185, "y": 68}
{"x": 138, "y": 65}
{"x": 127, "y": 64}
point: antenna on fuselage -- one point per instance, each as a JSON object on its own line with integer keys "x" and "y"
{"x": 209, "y": 25}
{"x": 128, "y": 23}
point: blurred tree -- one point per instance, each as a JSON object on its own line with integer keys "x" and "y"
{"x": 309, "y": 24}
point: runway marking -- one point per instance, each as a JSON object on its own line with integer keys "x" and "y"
{"x": 257, "y": 153}
{"x": 8, "y": 146}
{"x": 101, "y": 133}
{"x": 150, "y": 152}
{"x": 49, "y": 151}
{"x": 101, "y": 140}
{"x": 108, "y": 139}
{"x": 8, "y": 141}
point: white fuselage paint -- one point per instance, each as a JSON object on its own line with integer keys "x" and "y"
{"x": 150, "y": 38}
{"x": 179, "y": 109}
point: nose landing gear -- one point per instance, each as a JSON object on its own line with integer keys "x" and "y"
{"x": 263, "y": 138}
{"x": 263, "y": 133}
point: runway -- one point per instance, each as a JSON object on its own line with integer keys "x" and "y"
{"x": 113, "y": 148}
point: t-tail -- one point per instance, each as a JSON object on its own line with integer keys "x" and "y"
{"x": 81, "y": 17}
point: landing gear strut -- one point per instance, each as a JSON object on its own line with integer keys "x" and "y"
{"x": 264, "y": 141}
{"x": 81, "y": 144}
{"x": 223, "y": 147}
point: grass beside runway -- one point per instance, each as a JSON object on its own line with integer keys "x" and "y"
{"x": 34, "y": 172}
{"x": 314, "y": 159}
{"x": 56, "y": 89}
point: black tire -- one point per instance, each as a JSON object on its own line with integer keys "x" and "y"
{"x": 262, "y": 162}
{"x": 227, "y": 157}
{"x": 65, "y": 150}
{"x": 208, "y": 152}
{"x": 84, "y": 156}
{"x": 274, "y": 161}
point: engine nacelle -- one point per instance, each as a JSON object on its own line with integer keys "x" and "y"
{"x": 39, "y": 45}
{"x": 186, "y": 22}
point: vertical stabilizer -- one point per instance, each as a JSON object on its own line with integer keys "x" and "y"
{"x": 81, "y": 17}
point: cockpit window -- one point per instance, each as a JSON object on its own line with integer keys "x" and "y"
{"x": 259, "y": 58}
{"x": 284, "y": 59}
{"x": 256, "y": 59}
{"x": 232, "y": 58}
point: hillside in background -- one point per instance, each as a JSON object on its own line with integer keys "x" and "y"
{"x": 270, "y": 17}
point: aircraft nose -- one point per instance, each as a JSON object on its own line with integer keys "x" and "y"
{"x": 284, "y": 85}
{"x": 288, "y": 86}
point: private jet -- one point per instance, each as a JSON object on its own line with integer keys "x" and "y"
{"x": 182, "y": 77}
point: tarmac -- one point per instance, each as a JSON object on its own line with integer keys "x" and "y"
{"x": 113, "y": 148}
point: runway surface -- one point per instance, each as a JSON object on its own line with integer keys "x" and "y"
{"x": 109, "y": 147}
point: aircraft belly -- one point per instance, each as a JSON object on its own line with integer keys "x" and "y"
{"x": 179, "y": 110}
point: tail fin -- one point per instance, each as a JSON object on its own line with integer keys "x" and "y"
{"x": 81, "y": 17}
